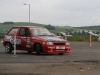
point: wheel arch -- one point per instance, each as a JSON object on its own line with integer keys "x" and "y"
{"x": 7, "y": 42}
{"x": 10, "y": 43}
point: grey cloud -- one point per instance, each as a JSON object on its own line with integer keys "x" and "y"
{"x": 55, "y": 12}
{"x": 78, "y": 5}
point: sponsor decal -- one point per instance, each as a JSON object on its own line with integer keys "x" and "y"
{"x": 11, "y": 40}
{"x": 28, "y": 40}
{"x": 28, "y": 46}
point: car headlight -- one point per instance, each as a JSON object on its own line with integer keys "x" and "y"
{"x": 49, "y": 43}
{"x": 67, "y": 43}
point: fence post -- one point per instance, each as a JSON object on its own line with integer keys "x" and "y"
{"x": 15, "y": 44}
{"x": 90, "y": 41}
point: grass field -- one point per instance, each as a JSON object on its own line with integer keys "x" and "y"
{"x": 82, "y": 38}
{"x": 5, "y": 27}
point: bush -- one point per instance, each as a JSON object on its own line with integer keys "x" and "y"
{"x": 49, "y": 27}
{"x": 8, "y": 23}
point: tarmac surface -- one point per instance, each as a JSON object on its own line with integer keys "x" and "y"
{"x": 80, "y": 51}
{"x": 82, "y": 60}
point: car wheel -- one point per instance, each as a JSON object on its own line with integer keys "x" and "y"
{"x": 8, "y": 48}
{"x": 38, "y": 49}
{"x": 60, "y": 53}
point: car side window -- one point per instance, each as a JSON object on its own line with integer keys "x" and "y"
{"x": 11, "y": 33}
{"x": 24, "y": 32}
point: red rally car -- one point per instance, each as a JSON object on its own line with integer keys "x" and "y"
{"x": 35, "y": 39}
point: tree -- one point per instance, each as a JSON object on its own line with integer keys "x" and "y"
{"x": 49, "y": 27}
{"x": 8, "y": 23}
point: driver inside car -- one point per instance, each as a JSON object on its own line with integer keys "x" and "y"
{"x": 27, "y": 32}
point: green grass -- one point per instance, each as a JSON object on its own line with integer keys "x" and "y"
{"x": 6, "y": 27}
{"x": 81, "y": 38}
{"x": 58, "y": 30}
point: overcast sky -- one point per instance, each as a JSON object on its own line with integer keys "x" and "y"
{"x": 55, "y": 12}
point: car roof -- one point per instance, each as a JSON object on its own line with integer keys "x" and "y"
{"x": 29, "y": 26}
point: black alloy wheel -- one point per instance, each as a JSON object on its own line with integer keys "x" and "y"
{"x": 8, "y": 48}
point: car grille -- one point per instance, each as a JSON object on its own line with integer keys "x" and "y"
{"x": 59, "y": 43}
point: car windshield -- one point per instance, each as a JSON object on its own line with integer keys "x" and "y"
{"x": 40, "y": 31}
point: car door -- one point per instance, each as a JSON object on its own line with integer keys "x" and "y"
{"x": 9, "y": 37}
{"x": 25, "y": 40}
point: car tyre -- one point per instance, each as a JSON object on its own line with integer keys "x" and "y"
{"x": 8, "y": 48}
{"x": 38, "y": 49}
